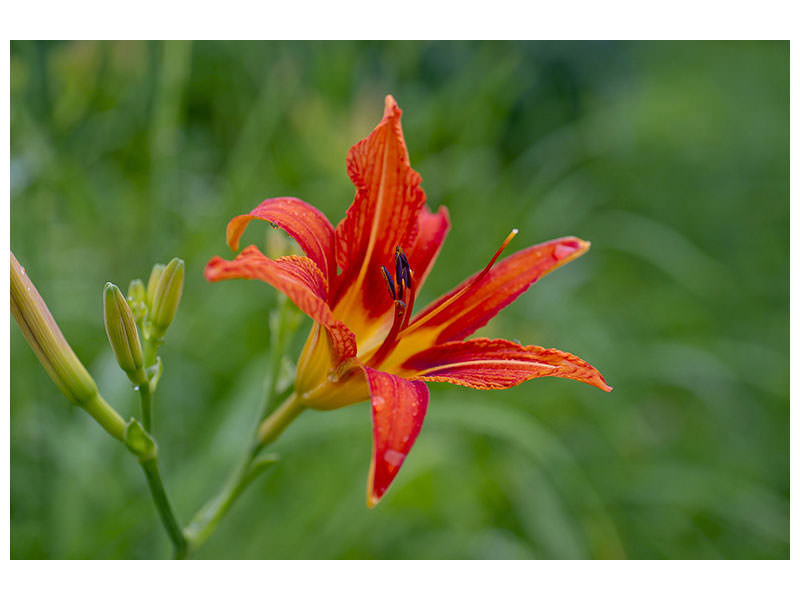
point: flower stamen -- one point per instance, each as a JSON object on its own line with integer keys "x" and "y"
{"x": 402, "y": 290}
{"x": 477, "y": 278}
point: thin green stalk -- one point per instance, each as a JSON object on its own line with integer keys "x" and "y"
{"x": 146, "y": 403}
{"x": 208, "y": 517}
{"x": 272, "y": 427}
{"x": 150, "y": 351}
{"x": 107, "y": 417}
{"x": 150, "y": 466}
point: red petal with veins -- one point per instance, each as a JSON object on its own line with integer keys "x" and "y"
{"x": 486, "y": 364}
{"x": 307, "y": 225}
{"x": 398, "y": 409}
{"x": 296, "y": 276}
{"x": 473, "y": 303}
{"x": 383, "y": 214}
{"x": 432, "y": 229}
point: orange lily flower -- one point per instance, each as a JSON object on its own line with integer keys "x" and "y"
{"x": 358, "y": 283}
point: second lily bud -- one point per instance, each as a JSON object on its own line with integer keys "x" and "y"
{"x": 123, "y": 334}
{"x": 166, "y": 295}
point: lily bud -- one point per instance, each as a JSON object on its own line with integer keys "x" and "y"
{"x": 137, "y": 299}
{"x": 166, "y": 297}
{"x": 46, "y": 339}
{"x": 123, "y": 334}
{"x": 155, "y": 275}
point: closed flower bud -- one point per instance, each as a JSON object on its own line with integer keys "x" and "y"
{"x": 46, "y": 339}
{"x": 155, "y": 275}
{"x": 166, "y": 297}
{"x": 122, "y": 334}
{"x": 55, "y": 354}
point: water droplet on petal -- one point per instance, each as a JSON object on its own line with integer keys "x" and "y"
{"x": 136, "y": 388}
{"x": 393, "y": 457}
{"x": 378, "y": 402}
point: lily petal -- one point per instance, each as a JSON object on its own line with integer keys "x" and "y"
{"x": 473, "y": 303}
{"x": 432, "y": 229}
{"x": 398, "y": 409}
{"x": 383, "y": 215}
{"x": 486, "y": 364}
{"x": 296, "y": 276}
{"x": 307, "y": 225}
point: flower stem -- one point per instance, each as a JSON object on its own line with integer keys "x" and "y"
{"x": 205, "y": 521}
{"x": 150, "y": 467}
{"x": 106, "y": 417}
{"x": 146, "y": 403}
{"x": 207, "y": 518}
{"x": 272, "y": 427}
{"x": 151, "y": 350}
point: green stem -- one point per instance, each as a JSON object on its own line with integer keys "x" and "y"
{"x": 107, "y": 417}
{"x": 150, "y": 348}
{"x": 150, "y": 466}
{"x": 272, "y": 427}
{"x": 146, "y": 403}
{"x": 207, "y": 518}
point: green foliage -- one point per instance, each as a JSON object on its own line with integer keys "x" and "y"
{"x": 671, "y": 158}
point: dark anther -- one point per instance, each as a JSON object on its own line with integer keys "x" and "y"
{"x": 402, "y": 268}
{"x": 389, "y": 282}
{"x": 407, "y": 275}
{"x": 398, "y": 268}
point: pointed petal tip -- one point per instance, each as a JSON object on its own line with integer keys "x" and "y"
{"x": 372, "y": 499}
{"x": 373, "y": 495}
{"x": 599, "y": 382}
{"x": 390, "y": 106}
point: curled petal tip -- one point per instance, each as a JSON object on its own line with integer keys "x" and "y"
{"x": 568, "y": 249}
{"x": 210, "y": 272}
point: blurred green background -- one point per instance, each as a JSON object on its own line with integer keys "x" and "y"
{"x": 672, "y": 158}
